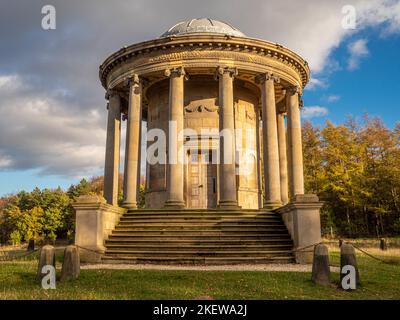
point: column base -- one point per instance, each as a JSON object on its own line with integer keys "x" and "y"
{"x": 175, "y": 204}
{"x": 130, "y": 205}
{"x": 228, "y": 204}
{"x": 271, "y": 205}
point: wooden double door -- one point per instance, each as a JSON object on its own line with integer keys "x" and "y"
{"x": 201, "y": 180}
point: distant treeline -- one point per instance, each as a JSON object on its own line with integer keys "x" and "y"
{"x": 46, "y": 214}
{"x": 42, "y": 214}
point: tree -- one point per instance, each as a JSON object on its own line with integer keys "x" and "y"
{"x": 27, "y": 223}
{"x": 381, "y": 171}
{"x": 343, "y": 170}
{"x": 355, "y": 169}
{"x": 313, "y": 162}
{"x": 83, "y": 188}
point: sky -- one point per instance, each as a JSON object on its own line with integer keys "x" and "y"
{"x": 52, "y": 106}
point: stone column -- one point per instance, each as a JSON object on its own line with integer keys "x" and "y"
{"x": 259, "y": 172}
{"x": 227, "y": 147}
{"x": 280, "y": 119}
{"x": 295, "y": 152}
{"x": 133, "y": 144}
{"x": 111, "y": 168}
{"x": 270, "y": 138}
{"x": 175, "y": 173}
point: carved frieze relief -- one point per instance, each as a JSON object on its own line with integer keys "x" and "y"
{"x": 200, "y": 108}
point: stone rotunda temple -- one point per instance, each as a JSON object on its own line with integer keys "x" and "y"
{"x": 208, "y": 196}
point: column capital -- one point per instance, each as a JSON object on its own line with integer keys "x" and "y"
{"x": 233, "y": 72}
{"x": 111, "y": 92}
{"x": 293, "y": 90}
{"x": 281, "y": 107}
{"x": 177, "y": 72}
{"x": 133, "y": 79}
{"x": 301, "y": 103}
{"x": 262, "y": 77}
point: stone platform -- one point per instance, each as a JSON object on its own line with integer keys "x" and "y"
{"x": 199, "y": 237}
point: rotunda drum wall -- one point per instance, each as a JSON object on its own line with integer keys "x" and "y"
{"x": 201, "y": 104}
{"x": 201, "y": 111}
{"x": 246, "y": 106}
{"x": 157, "y": 119}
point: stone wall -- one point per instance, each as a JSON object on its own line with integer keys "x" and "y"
{"x": 95, "y": 220}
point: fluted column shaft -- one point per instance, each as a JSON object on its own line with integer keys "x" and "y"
{"x": 111, "y": 167}
{"x": 280, "y": 119}
{"x": 270, "y": 138}
{"x": 133, "y": 144}
{"x": 295, "y": 152}
{"x": 259, "y": 169}
{"x": 227, "y": 165}
{"x": 175, "y": 173}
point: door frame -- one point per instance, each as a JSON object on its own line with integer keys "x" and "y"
{"x": 202, "y": 167}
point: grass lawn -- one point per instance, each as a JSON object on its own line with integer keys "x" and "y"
{"x": 379, "y": 281}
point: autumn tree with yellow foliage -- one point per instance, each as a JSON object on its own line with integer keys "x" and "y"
{"x": 355, "y": 169}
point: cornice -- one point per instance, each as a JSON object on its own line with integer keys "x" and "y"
{"x": 207, "y": 42}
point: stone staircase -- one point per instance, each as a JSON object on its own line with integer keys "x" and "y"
{"x": 199, "y": 237}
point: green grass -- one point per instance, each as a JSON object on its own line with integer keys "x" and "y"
{"x": 24, "y": 255}
{"x": 379, "y": 281}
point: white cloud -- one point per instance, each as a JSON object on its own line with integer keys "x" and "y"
{"x": 315, "y": 83}
{"x": 314, "y": 112}
{"x": 332, "y": 98}
{"x": 5, "y": 161}
{"x": 9, "y": 82}
{"x": 381, "y": 12}
{"x": 41, "y": 132}
{"x": 357, "y": 50}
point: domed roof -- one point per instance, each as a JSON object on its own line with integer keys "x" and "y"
{"x": 202, "y": 25}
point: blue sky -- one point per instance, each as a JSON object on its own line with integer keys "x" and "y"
{"x": 373, "y": 87}
{"x": 52, "y": 129}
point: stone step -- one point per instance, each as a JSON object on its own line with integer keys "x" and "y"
{"x": 197, "y": 260}
{"x": 201, "y": 220}
{"x": 200, "y": 247}
{"x": 205, "y": 232}
{"x": 212, "y": 238}
{"x": 204, "y": 227}
{"x": 204, "y": 241}
{"x": 195, "y": 253}
{"x": 202, "y": 215}
{"x": 200, "y": 211}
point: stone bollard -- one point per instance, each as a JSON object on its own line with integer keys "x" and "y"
{"x": 71, "y": 264}
{"x": 383, "y": 244}
{"x": 321, "y": 273}
{"x": 348, "y": 257}
{"x": 46, "y": 257}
